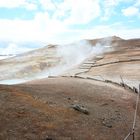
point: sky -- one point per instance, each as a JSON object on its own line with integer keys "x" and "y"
{"x": 65, "y": 21}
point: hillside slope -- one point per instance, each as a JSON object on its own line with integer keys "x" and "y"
{"x": 43, "y": 109}
{"x": 55, "y": 59}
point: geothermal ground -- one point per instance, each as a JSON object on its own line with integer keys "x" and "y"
{"x": 45, "y": 109}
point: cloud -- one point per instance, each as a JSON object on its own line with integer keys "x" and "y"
{"x": 80, "y": 12}
{"x": 83, "y": 11}
{"x": 137, "y": 3}
{"x": 47, "y": 4}
{"x": 17, "y": 3}
{"x": 40, "y": 29}
{"x": 30, "y": 6}
{"x": 43, "y": 29}
{"x": 52, "y": 24}
{"x": 110, "y": 30}
{"x": 13, "y": 48}
{"x": 46, "y": 28}
{"x": 109, "y": 6}
{"x": 131, "y": 11}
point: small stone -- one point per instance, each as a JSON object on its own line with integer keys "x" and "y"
{"x": 107, "y": 123}
{"x": 104, "y": 104}
{"x": 81, "y": 109}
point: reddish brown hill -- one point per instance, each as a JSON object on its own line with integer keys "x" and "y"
{"x": 43, "y": 109}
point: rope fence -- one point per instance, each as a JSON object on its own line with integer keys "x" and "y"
{"x": 132, "y": 133}
{"x": 135, "y": 90}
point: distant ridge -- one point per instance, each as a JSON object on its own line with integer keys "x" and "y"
{"x": 106, "y": 40}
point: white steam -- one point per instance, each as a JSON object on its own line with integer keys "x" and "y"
{"x": 74, "y": 54}
{"x": 71, "y": 56}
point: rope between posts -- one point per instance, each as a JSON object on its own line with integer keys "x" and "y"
{"x": 135, "y": 117}
{"x": 135, "y": 114}
{"x": 127, "y": 136}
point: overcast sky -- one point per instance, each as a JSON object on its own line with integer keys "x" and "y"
{"x": 63, "y": 21}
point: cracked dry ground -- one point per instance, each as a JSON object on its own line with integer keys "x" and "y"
{"x": 41, "y": 110}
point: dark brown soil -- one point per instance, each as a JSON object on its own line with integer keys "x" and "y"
{"x": 43, "y": 109}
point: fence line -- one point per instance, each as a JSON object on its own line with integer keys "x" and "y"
{"x": 135, "y": 117}
{"x": 132, "y": 133}
{"x": 117, "y": 61}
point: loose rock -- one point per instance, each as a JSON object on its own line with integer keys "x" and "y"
{"x": 80, "y": 108}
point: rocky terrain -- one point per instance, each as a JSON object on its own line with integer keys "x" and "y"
{"x": 93, "y": 100}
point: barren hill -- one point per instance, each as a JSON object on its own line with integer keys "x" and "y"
{"x": 50, "y": 59}
{"x": 93, "y": 100}
{"x": 43, "y": 109}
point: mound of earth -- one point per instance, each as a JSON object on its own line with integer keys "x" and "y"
{"x": 42, "y": 110}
